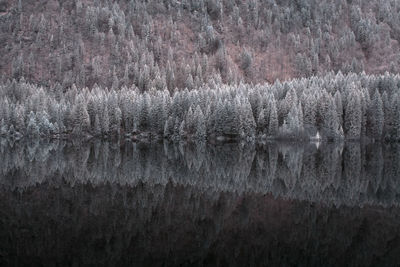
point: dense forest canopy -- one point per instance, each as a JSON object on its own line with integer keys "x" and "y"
{"x": 200, "y": 69}
{"x": 182, "y": 43}
{"x": 335, "y": 106}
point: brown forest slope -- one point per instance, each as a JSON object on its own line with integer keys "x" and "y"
{"x": 185, "y": 43}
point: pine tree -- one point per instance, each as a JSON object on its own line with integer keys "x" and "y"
{"x": 273, "y": 119}
{"x": 158, "y": 115}
{"x": 353, "y": 116}
{"x": 377, "y": 116}
{"x": 331, "y": 126}
{"x": 97, "y": 126}
{"x": 294, "y": 121}
{"x": 248, "y": 123}
{"x": 310, "y": 113}
{"x": 81, "y": 116}
{"x": 144, "y": 112}
{"x": 246, "y": 63}
{"x": 339, "y": 106}
{"x": 45, "y": 126}
{"x": 219, "y": 117}
{"x": 387, "y": 125}
{"x": 105, "y": 122}
{"x": 20, "y": 119}
{"x": 177, "y": 126}
{"x": 200, "y": 125}
{"x": 169, "y": 127}
{"x": 190, "y": 121}
{"x": 262, "y": 123}
{"x": 189, "y": 83}
{"x": 115, "y": 114}
{"x": 396, "y": 117}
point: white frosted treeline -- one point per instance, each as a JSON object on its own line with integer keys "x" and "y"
{"x": 354, "y": 106}
{"x": 339, "y": 174}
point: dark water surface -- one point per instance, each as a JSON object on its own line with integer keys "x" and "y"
{"x": 103, "y": 204}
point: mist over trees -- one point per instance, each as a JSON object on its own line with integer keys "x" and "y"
{"x": 337, "y": 106}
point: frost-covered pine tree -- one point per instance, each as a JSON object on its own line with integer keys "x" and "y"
{"x": 376, "y": 116}
{"x": 105, "y": 121}
{"x": 273, "y": 119}
{"x": 32, "y": 127}
{"x": 115, "y": 114}
{"x": 396, "y": 121}
{"x": 293, "y": 126}
{"x": 97, "y": 126}
{"x": 169, "y": 127}
{"x": 262, "y": 123}
{"x": 190, "y": 121}
{"x": 353, "y": 116}
{"x": 219, "y": 118}
{"x": 247, "y": 119}
{"x": 310, "y": 111}
{"x": 339, "y": 106}
{"x": 331, "y": 126}
{"x": 45, "y": 126}
{"x": 200, "y": 125}
{"x": 387, "y": 126}
{"x": 81, "y": 117}
{"x": 177, "y": 126}
{"x": 20, "y": 119}
{"x": 144, "y": 112}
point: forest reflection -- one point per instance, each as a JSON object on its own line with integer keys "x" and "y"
{"x": 103, "y": 204}
{"x": 177, "y": 225}
{"x": 334, "y": 174}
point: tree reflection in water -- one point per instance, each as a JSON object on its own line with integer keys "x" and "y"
{"x": 230, "y": 205}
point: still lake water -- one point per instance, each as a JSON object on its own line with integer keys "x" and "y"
{"x": 126, "y": 204}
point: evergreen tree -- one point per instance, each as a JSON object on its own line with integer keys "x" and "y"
{"x": 20, "y": 119}
{"x": 81, "y": 116}
{"x": 115, "y": 114}
{"x": 105, "y": 122}
{"x": 293, "y": 126}
{"x": 97, "y": 126}
{"x": 45, "y": 126}
{"x": 219, "y": 117}
{"x": 376, "y": 116}
{"x": 331, "y": 127}
{"x": 339, "y": 106}
{"x": 144, "y": 113}
{"x": 273, "y": 119}
{"x": 247, "y": 119}
{"x": 200, "y": 125}
{"x": 396, "y": 120}
{"x": 177, "y": 129}
{"x": 310, "y": 113}
{"x": 353, "y": 116}
{"x": 387, "y": 125}
{"x": 169, "y": 127}
{"x": 262, "y": 123}
{"x": 190, "y": 121}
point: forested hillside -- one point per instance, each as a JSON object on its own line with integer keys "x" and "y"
{"x": 200, "y": 69}
{"x": 184, "y": 43}
{"x": 337, "y": 106}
